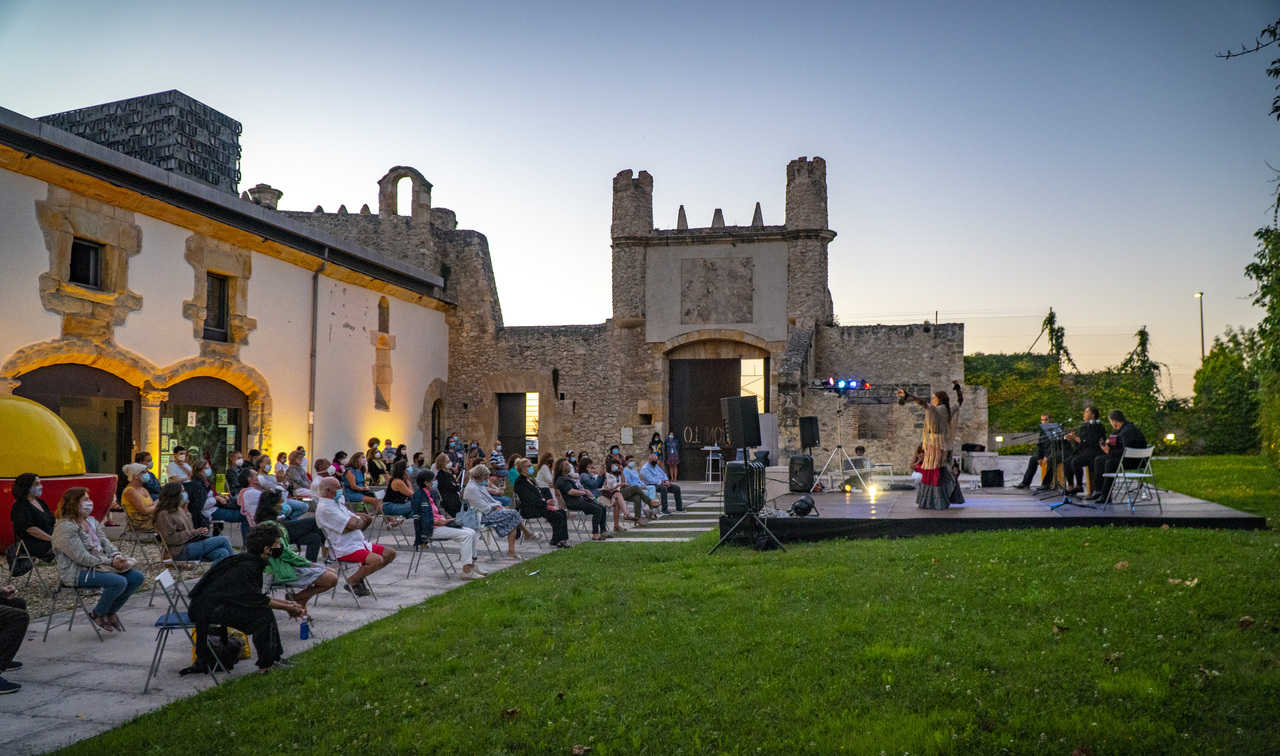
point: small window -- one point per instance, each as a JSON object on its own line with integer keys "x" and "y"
{"x": 215, "y": 321}
{"x": 86, "y": 264}
{"x": 384, "y": 316}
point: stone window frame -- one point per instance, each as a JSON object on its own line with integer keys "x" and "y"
{"x": 206, "y": 256}
{"x": 65, "y": 216}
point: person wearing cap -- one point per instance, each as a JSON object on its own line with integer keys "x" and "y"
{"x": 137, "y": 503}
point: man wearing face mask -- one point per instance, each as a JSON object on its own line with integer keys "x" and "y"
{"x": 671, "y": 449}
{"x": 230, "y": 594}
{"x": 497, "y": 464}
{"x": 179, "y": 469}
{"x": 653, "y": 475}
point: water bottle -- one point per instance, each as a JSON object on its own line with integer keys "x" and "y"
{"x": 304, "y": 630}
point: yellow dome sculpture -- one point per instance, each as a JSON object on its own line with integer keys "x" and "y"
{"x": 33, "y": 439}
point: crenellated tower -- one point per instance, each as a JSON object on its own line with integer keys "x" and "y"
{"x": 807, "y": 235}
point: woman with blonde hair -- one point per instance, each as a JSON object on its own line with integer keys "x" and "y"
{"x": 86, "y": 559}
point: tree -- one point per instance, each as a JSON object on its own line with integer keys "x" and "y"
{"x": 1057, "y": 340}
{"x": 1225, "y": 410}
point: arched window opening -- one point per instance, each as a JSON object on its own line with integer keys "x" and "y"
{"x": 384, "y": 316}
{"x": 404, "y": 197}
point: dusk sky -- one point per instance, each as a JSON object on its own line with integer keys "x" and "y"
{"x": 985, "y": 160}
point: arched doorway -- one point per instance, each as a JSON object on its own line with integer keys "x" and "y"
{"x": 437, "y": 428}
{"x": 700, "y": 374}
{"x": 102, "y": 410}
{"x": 207, "y": 416}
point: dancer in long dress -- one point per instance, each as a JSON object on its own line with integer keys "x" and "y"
{"x": 938, "y": 488}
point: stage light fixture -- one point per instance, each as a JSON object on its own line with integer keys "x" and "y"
{"x": 803, "y": 507}
{"x": 999, "y": 439}
{"x": 1170, "y": 438}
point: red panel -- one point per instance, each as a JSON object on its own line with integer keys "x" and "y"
{"x": 102, "y": 489}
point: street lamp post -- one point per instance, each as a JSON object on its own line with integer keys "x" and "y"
{"x": 1200, "y": 296}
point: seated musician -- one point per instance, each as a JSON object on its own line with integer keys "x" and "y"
{"x": 1127, "y": 436}
{"x": 1088, "y": 447}
{"x": 1043, "y": 448}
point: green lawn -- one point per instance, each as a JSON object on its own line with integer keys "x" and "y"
{"x": 921, "y": 646}
{"x": 1249, "y": 484}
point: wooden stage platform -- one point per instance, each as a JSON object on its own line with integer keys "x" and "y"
{"x": 894, "y": 514}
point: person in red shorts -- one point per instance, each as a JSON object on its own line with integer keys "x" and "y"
{"x": 345, "y": 531}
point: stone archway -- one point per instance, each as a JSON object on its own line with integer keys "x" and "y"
{"x": 389, "y": 194}
{"x": 432, "y": 421}
{"x": 246, "y": 379}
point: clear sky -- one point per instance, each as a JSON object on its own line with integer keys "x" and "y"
{"x": 986, "y": 160}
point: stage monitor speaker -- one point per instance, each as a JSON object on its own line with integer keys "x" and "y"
{"x": 741, "y": 421}
{"x": 993, "y": 478}
{"x": 743, "y": 488}
{"x": 800, "y": 474}
{"x": 809, "y": 437}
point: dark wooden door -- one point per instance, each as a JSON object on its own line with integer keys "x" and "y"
{"x": 511, "y": 423}
{"x": 697, "y": 386}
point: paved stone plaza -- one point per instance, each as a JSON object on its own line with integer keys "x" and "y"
{"x": 74, "y": 686}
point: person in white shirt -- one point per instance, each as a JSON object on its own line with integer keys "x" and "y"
{"x": 653, "y": 474}
{"x": 323, "y": 469}
{"x": 179, "y": 469}
{"x": 505, "y": 522}
{"x": 345, "y": 531}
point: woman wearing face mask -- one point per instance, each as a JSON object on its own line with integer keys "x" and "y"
{"x": 354, "y": 488}
{"x": 580, "y": 500}
{"x": 282, "y": 465}
{"x": 671, "y": 453}
{"x": 179, "y": 469}
{"x": 615, "y": 486}
{"x": 235, "y": 460}
{"x": 545, "y": 477}
{"x": 186, "y": 542}
{"x": 88, "y": 560}
{"x": 32, "y": 519}
{"x": 537, "y": 503}
{"x": 372, "y": 463}
{"x": 339, "y": 463}
{"x": 655, "y": 444}
{"x": 593, "y": 484}
{"x": 301, "y": 576}
{"x": 137, "y": 503}
{"x": 447, "y": 485}
{"x": 505, "y": 522}
{"x": 295, "y": 475}
{"x": 210, "y": 505}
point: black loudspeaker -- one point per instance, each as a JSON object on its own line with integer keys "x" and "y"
{"x": 800, "y": 474}
{"x": 743, "y": 488}
{"x": 993, "y": 478}
{"x": 741, "y": 421}
{"x": 809, "y": 437}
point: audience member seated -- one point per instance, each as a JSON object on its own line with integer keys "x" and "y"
{"x": 185, "y": 542}
{"x": 917, "y": 465}
{"x": 631, "y": 477}
{"x": 339, "y": 464}
{"x": 593, "y": 484}
{"x": 1127, "y": 437}
{"x": 505, "y": 522}
{"x": 296, "y": 478}
{"x": 345, "y": 531}
{"x": 615, "y": 486}
{"x": 13, "y": 628}
{"x": 356, "y": 493}
{"x": 214, "y": 508}
{"x": 282, "y": 465}
{"x": 323, "y": 469}
{"x": 430, "y": 522}
{"x": 538, "y": 502}
{"x": 447, "y": 485}
{"x": 265, "y": 480}
{"x": 137, "y": 503}
{"x": 32, "y": 519}
{"x": 395, "y": 500}
{"x": 304, "y": 532}
{"x": 652, "y": 474}
{"x": 546, "y": 474}
{"x": 179, "y": 469}
{"x": 580, "y": 500}
{"x": 496, "y": 486}
{"x": 497, "y": 462}
{"x": 86, "y": 558}
{"x": 230, "y": 595}
{"x": 372, "y": 466}
{"x": 301, "y": 576}
{"x": 149, "y": 479}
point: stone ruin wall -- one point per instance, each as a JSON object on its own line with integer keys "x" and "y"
{"x": 885, "y": 355}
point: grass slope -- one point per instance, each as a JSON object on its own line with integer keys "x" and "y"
{"x": 929, "y": 645}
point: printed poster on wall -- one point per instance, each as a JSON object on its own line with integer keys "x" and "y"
{"x": 166, "y": 425}
{"x": 231, "y": 435}
{"x": 191, "y": 419}
{"x": 222, "y": 416}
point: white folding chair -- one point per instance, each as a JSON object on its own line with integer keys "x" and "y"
{"x": 1129, "y": 485}
{"x": 176, "y": 618}
{"x": 342, "y": 568}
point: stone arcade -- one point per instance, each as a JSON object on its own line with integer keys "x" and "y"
{"x": 323, "y": 329}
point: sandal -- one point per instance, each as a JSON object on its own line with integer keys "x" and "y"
{"x": 101, "y": 622}
{"x": 597, "y": 537}
{"x": 115, "y": 622}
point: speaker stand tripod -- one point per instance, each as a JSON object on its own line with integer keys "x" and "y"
{"x": 839, "y": 450}
{"x": 759, "y": 523}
